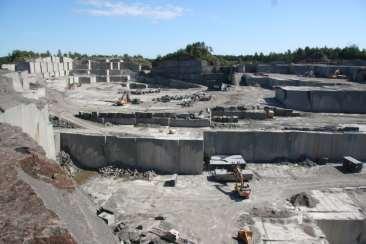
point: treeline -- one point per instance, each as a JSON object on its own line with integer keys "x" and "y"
{"x": 22, "y": 55}
{"x": 301, "y": 55}
{"x": 200, "y": 50}
{"x": 197, "y": 50}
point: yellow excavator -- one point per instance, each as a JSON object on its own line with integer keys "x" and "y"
{"x": 241, "y": 187}
{"x": 245, "y": 235}
{"x": 124, "y": 99}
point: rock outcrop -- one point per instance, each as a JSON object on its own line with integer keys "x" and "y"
{"x": 39, "y": 203}
{"x": 23, "y": 107}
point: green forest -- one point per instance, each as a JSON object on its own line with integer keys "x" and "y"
{"x": 301, "y": 55}
{"x": 200, "y": 50}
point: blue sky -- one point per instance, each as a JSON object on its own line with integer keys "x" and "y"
{"x": 152, "y": 27}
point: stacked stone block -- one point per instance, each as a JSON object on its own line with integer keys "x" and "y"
{"x": 47, "y": 67}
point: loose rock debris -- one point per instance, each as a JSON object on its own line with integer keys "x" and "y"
{"x": 111, "y": 171}
{"x": 303, "y": 199}
{"x": 186, "y": 100}
{"x": 67, "y": 164}
{"x": 159, "y": 232}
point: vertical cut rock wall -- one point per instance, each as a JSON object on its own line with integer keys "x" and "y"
{"x": 33, "y": 121}
{"x": 162, "y": 155}
{"x": 266, "y": 146}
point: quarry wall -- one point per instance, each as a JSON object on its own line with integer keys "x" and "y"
{"x": 28, "y": 114}
{"x": 20, "y": 81}
{"x": 271, "y": 82}
{"x": 104, "y": 70}
{"x": 354, "y": 73}
{"x": 163, "y": 119}
{"x": 34, "y": 122}
{"x": 188, "y": 70}
{"x": 323, "y": 100}
{"x": 267, "y": 146}
{"x": 161, "y": 155}
{"x": 344, "y": 231}
{"x": 47, "y": 67}
{"x": 167, "y": 82}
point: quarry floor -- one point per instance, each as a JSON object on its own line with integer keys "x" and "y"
{"x": 209, "y": 212}
{"x": 100, "y": 97}
{"x": 203, "y": 210}
{"x": 66, "y": 103}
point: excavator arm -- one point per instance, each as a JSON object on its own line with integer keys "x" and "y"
{"x": 241, "y": 187}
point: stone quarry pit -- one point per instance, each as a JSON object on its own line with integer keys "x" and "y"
{"x": 292, "y": 131}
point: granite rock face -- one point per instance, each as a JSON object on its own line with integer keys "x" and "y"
{"x": 23, "y": 216}
{"x": 325, "y": 99}
{"x": 188, "y": 70}
{"x": 19, "y": 106}
{"x": 39, "y": 203}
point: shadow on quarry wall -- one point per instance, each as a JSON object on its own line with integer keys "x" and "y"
{"x": 344, "y": 231}
{"x": 158, "y": 81}
{"x": 165, "y": 156}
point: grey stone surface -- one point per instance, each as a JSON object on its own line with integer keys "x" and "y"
{"x": 88, "y": 151}
{"x": 75, "y": 210}
{"x": 226, "y": 161}
{"x": 38, "y": 127}
{"x": 239, "y": 112}
{"x": 162, "y": 155}
{"x": 270, "y": 81}
{"x": 189, "y": 123}
{"x": 327, "y": 100}
{"x": 266, "y": 146}
{"x": 29, "y": 114}
{"x": 320, "y": 70}
{"x": 189, "y": 70}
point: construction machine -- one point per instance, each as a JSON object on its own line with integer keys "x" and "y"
{"x": 245, "y": 235}
{"x": 241, "y": 186}
{"x": 123, "y": 100}
{"x": 338, "y": 75}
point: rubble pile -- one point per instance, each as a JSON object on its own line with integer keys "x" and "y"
{"x": 282, "y": 112}
{"x": 128, "y": 235}
{"x": 232, "y": 114}
{"x": 67, "y": 164}
{"x": 302, "y": 161}
{"x": 303, "y": 199}
{"x": 271, "y": 212}
{"x": 60, "y": 123}
{"x": 111, "y": 171}
{"x": 157, "y": 231}
{"x": 307, "y": 163}
{"x": 186, "y": 100}
{"x": 145, "y": 91}
{"x": 225, "y": 119}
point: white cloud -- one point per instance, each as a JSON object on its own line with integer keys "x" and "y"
{"x": 122, "y": 8}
